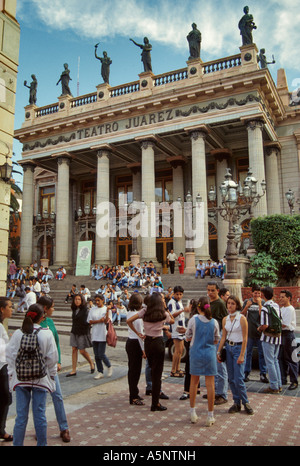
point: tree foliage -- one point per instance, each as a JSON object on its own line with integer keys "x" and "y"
{"x": 278, "y": 236}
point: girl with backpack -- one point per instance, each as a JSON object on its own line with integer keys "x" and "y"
{"x": 32, "y": 387}
{"x": 57, "y": 398}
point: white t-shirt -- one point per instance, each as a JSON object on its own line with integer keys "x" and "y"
{"x": 139, "y": 326}
{"x": 30, "y": 299}
{"x": 98, "y": 332}
{"x": 288, "y": 315}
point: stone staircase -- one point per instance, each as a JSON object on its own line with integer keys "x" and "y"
{"x": 62, "y": 315}
{"x": 193, "y": 288}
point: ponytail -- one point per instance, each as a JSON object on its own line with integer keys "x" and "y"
{"x": 33, "y": 315}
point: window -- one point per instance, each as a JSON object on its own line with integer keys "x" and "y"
{"x": 47, "y": 199}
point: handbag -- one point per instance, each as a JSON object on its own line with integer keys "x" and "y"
{"x": 111, "y": 335}
{"x": 222, "y": 355}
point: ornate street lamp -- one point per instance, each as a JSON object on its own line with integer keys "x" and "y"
{"x": 232, "y": 210}
{"x": 6, "y": 170}
{"x": 290, "y": 197}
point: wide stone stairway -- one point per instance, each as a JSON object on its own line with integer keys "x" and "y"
{"x": 193, "y": 288}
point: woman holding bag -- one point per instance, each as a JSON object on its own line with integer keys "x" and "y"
{"x": 234, "y": 337}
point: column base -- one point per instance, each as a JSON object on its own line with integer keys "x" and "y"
{"x": 190, "y": 263}
{"x": 135, "y": 259}
{"x": 235, "y": 286}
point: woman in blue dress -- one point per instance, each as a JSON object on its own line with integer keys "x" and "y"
{"x": 203, "y": 333}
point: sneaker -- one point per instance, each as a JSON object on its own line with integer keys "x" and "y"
{"x": 248, "y": 408}
{"x": 98, "y": 376}
{"x": 110, "y": 371}
{"x": 210, "y": 421}
{"x": 219, "y": 400}
{"x": 246, "y": 378}
{"x": 264, "y": 378}
{"x": 194, "y": 418}
{"x": 270, "y": 390}
{"x": 234, "y": 408}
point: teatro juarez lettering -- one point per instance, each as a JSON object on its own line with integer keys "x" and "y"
{"x": 130, "y": 123}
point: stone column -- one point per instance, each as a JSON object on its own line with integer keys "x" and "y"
{"x": 136, "y": 190}
{"x": 221, "y": 157}
{"x": 27, "y": 216}
{"x": 256, "y": 161}
{"x": 102, "y": 253}
{"x": 62, "y": 212}
{"x": 199, "y": 187}
{"x": 272, "y": 151}
{"x": 177, "y": 163}
{"x": 148, "y": 241}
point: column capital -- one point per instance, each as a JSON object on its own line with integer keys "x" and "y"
{"x": 28, "y": 166}
{"x": 197, "y": 132}
{"x": 272, "y": 147}
{"x": 176, "y": 161}
{"x": 147, "y": 141}
{"x": 254, "y": 124}
{"x": 221, "y": 154}
{"x": 134, "y": 168}
{"x": 103, "y": 150}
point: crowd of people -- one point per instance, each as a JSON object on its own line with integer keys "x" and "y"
{"x": 215, "y": 324}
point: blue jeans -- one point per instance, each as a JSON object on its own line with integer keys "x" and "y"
{"x": 261, "y": 359}
{"x": 23, "y": 397}
{"x": 99, "y": 352}
{"x": 271, "y": 357}
{"x": 59, "y": 408}
{"x": 236, "y": 374}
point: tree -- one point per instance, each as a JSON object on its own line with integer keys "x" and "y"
{"x": 278, "y": 236}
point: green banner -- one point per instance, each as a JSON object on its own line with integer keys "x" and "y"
{"x": 84, "y": 257}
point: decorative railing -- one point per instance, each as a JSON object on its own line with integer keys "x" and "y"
{"x": 83, "y": 100}
{"x": 222, "y": 64}
{"x": 159, "y": 80}
{"x": 48, "y": 110}
{"x": 171, "y": 77}
{"x": 125, "y": 89}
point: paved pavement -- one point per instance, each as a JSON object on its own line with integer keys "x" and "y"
{"x": 99, "y": 414}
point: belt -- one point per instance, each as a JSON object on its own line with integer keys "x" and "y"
{"x": 233, "y": 343}
{"x": 148, "y": 337}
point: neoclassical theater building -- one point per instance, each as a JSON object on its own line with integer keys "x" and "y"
{"x": 158, "y": 139}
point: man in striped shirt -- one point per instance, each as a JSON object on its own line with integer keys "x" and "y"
{"x": 270, "y": 343}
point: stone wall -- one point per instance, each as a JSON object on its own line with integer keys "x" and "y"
{"x": 295, "y": 290}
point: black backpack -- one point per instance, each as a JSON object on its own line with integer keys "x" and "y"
{"x": 30, "y": 364}
{"x": 275, "y": 326}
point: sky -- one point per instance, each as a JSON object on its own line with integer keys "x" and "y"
{"x": 65, "y": 31}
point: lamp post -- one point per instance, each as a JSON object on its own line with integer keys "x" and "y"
{"x": 45, "y": 220}
{"x": 290, "y": 197}
{"x": 236, "y": 201}
{"x": 189, "y": 224}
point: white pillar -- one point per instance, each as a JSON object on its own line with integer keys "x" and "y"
{"x": 102, "y": 254}
{"x": 221, "y": 157}
{"x": 177, "y": 164}
{"x": 27, "y": 216}
{"x": 256, "y": 162}
{"x": 62, "y": 212}
{"x": 272, "y": 179}
{"x": 148, "y": 197}
{"x": 136, "y": 190}
{"x": 199, "y": 187}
